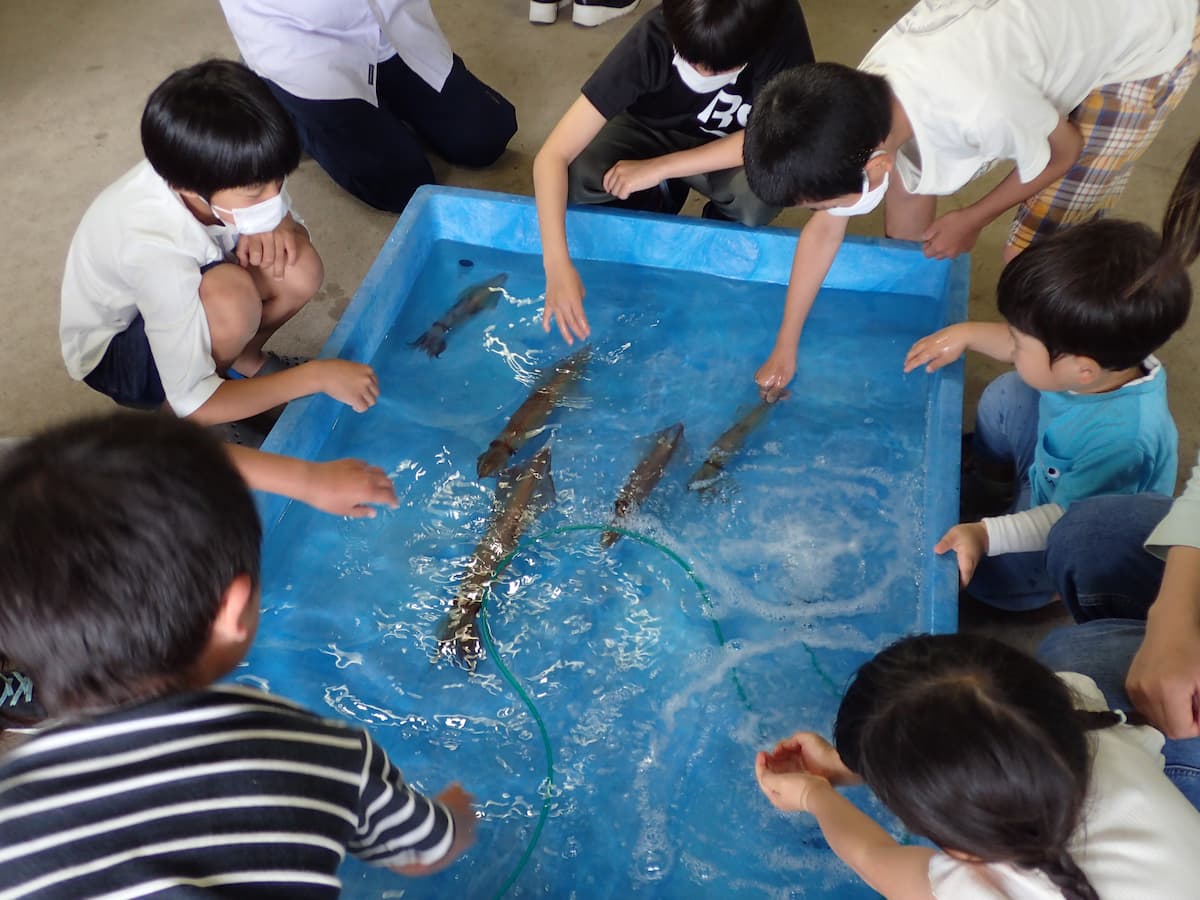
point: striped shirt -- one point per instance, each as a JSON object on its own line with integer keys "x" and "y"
{"x": 227, "y": 789}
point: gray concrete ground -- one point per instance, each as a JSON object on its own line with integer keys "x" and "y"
{"x": 74, "y": 75}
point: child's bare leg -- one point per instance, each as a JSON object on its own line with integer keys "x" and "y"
{"x": 281, "y": 298}
{"x": 905, "y": 215}
{"x": 234, "y": 308}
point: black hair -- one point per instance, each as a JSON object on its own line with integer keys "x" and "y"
{"x": 1109, "y": 289}
{"x": 720, "y": 34}
{"x": 118, "y": 537}
{"x": 812, "y": 130}
{"x": 976, "y": 746}
{"x": 216, "y": 125}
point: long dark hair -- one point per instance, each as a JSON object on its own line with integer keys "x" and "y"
{"x": 1109, "y": 289}
{"x": 977, "y": 747}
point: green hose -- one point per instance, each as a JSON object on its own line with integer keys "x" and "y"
{"x": 485, "y": 633}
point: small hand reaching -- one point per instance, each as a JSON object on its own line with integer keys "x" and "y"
{"x": 354, "y": 384}
{"x": 564, "y": 300}
{"x": 348, "y": 487}
{"x": 938, "y": 349}
{"x": 773, "y": 376}
{"x": 969, "y": 542}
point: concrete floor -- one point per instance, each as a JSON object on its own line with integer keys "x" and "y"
{"x": 74, "y": 75}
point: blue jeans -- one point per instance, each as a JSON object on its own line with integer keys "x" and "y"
{"x": 1006, "y": 426}
{"x": 1103, "y": 649}
{"x": 1096, "y": 559}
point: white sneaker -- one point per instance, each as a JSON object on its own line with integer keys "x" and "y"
{"x": 545, "y": 12}
{"x": 590, "y": 13}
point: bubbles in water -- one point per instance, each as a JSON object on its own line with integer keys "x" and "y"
{"x": 654, "y": 690}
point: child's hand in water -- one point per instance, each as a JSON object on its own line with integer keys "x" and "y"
{"x": 564, "y": 301}
{"x": 797, "y": 767}
{"x": 938, "y": 349}
{"x": 790, "y": 791}
{"x": 806, "y": 751}
{"x": 347, "y": 487}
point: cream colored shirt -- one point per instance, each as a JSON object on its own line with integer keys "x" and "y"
{"x": 988, "y": 80}
{"x": 1181, "y": 527}
{"x": 1139, "y": 838}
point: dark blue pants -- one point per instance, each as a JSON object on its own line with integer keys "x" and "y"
{"x": 376, "y": 153}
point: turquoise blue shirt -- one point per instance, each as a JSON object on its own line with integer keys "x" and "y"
{"x": 1119, "y": 442}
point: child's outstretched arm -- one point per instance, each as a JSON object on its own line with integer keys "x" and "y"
{"x": 564, "y": 289}
{"x": 352, "y": 383}
{"x": 343, "y": 487}
{"x": 956, "y": 231}
{"x": 799, "y": 776}
{"x": 945, "y": 346}
{"x": 818, "y": 244}
{"x": 628, "y": 176}
{"x": 460, "y": 804}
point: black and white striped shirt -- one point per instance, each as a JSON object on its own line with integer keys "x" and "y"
{"x": 226, "y": 789}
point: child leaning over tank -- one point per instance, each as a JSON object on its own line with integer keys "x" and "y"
{"x": 129, "y": 584}
{"x": 1030, "y": 788}
{"x": 1085, "y": 413}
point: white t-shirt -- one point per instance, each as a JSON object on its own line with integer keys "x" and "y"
{"x": 328, "y": 49}
{"x": 139, "y": 249}
{"x": 988, "y": 80}
{"x": 1139, "y": 839}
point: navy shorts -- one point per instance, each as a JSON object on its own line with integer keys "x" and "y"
{"x": 127, "y": 372}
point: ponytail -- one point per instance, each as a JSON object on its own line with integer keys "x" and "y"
{"x": 1181, "y": 223}
{"x": 1180, "y": 230}
{"x": 1061, "y": 869}
{"x": 1095, "y": 719}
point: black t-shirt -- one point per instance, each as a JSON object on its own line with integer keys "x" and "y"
{"x": 637, "y": 77}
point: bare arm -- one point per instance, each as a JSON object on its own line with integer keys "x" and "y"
{"x": 798, "y": 776}
{"x": 631, "y": 175}
{"x": 564, "y": 291}
{"x": 897, "y": 872}
{"x": 1066, "y": 143}
{"x": 344, "y": 487}
{"x": 815, "y": 250}
{"x": 352, "y": 383}
{"x": 1164, "y": 678}
{"x": 948, "y": 344}
{"x": 957, "y": 231}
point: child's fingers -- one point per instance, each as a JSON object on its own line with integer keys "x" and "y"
{"x": 966, "y": 568}
{"x": 949, "y": 541}
{"x": 279, "y": 256}
{"x": 761, "y": 772}
{"x": 564, "y": 329}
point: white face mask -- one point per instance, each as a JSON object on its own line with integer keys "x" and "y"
{"x": 261, "y": 217}
{"x": 704, "y": 84}
{"x": 869, "y": 199}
